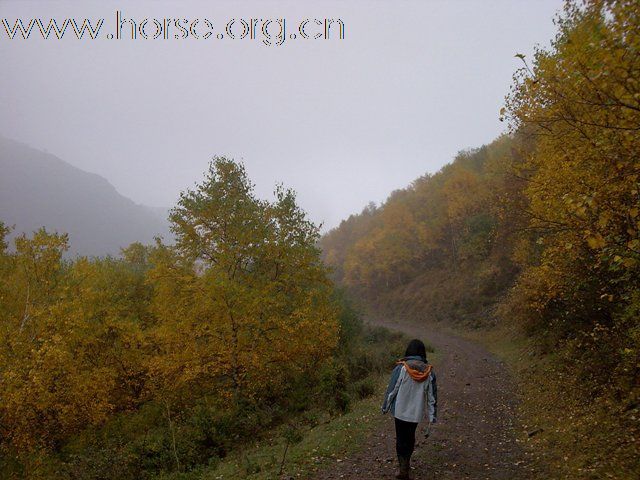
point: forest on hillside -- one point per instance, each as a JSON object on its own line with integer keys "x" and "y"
{"x": 167, "y": 358}
{"x": 538, "y": 230}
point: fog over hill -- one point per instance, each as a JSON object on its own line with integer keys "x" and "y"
{"x": 38, "y": 189}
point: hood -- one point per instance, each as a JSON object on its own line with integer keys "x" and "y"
{"x": 416, "y": 368}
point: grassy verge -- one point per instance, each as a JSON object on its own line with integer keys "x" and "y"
{"x": 571, "y": 437}
{"x": 317, "y": 446}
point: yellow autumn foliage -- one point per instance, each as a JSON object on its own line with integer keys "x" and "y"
{"x": 236, "y": 311}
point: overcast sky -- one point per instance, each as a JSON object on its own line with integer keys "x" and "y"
{"x": 343, "y": 122}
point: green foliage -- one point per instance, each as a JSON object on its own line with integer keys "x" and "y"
{"x": 351, "y": 325}
{"x": 365, "y": 388}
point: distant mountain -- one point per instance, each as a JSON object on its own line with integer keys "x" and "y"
{"x": 40, "y": 190}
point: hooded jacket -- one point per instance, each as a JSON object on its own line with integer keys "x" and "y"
{"x": 412, "y": 393}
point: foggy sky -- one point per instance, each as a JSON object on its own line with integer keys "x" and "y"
{"x": 343, "y": 122}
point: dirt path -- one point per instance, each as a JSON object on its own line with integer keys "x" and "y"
{"x": 475, "y": 436}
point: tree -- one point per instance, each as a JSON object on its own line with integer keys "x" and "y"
{"x": 578, "y": 104}
{"x": 260, "y": 298}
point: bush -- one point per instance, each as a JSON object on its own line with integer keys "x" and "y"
{"x": 365, "y": 388}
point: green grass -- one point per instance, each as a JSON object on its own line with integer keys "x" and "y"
{"x": 319, "y": 446}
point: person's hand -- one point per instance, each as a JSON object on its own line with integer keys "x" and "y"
{"x": 426, "y": 430}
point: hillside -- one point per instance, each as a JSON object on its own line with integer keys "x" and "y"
{"x": 38, "y": 189}
{"x": 440, "y": 249}
{"x": 538, "y": 236}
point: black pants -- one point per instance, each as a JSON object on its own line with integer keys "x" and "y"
{"x": 405, "y": 437}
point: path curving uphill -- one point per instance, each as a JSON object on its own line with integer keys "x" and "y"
{"x": 476, "y": 434}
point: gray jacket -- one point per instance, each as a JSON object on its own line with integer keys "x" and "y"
{"x": 408, "y": 399}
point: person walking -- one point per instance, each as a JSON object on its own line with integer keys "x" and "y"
{"x": 412, "y": 395}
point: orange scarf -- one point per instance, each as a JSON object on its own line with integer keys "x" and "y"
{"x": 417, "y": 375}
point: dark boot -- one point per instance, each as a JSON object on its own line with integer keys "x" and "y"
{"x": 404, "y": 468}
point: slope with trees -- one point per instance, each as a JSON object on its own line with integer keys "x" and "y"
{"x": 168, "y": 358}
{"x": 537, "y": 231}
